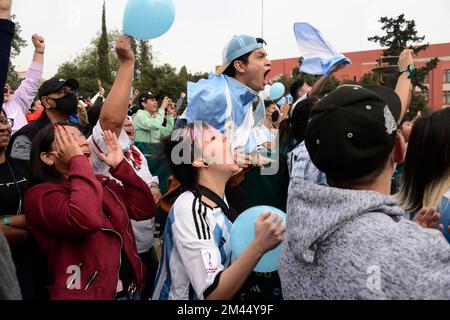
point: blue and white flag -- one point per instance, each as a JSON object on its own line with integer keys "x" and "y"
{"x": 285, "y": 100}
{"x": 227, "y": 105}
{"x": 319, "y": 57}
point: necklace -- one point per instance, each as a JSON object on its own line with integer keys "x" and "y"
{"x": 19, "y": 208}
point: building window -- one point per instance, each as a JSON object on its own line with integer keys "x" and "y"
{"x": 426, "y": 80}
{"x": 447, "y": 76}
{"x": 446, "y": 100}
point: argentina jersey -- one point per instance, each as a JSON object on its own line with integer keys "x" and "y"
{"x": 197, "y": 249}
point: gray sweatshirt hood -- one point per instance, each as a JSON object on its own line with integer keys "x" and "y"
{"x": 315, "y": 212}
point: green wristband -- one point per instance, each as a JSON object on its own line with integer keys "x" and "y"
{"x": 411, "y": 69}
{"x": 6, "y": 221}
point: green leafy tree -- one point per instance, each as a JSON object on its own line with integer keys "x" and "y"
{"x": 145, "y": 54}
{"x": 84, "y": 67}
{"x": 370, "y": 79}
{"x": 401, "y": 33}
{"x": 162, "y": 80}
{"x": 137, "y": 66}
{"x": 104, "y": 71}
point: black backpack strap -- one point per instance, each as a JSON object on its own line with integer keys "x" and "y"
{"x": 229, "y": 212}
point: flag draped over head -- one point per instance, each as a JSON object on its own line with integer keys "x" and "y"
{"x": 227, "y": 105}
{"x": 319, "y": 56}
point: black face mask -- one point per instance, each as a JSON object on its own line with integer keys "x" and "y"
{"x": 67, "y": 104}
{"x": 275, "y": 116}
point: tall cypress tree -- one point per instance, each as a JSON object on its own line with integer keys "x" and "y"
{"x": 147, "y": 78}
{"x": 137, "y": 68}
{"x": 146, "y": 54}
{"x": 104, "y": 72}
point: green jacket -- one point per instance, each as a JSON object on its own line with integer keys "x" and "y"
{"x": 149, "y": 129}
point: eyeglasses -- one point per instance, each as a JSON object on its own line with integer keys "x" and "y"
{"x": 7, "y": 122}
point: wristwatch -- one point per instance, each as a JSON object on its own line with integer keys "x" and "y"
{"x": 6, "y": 221}
{"x": 411, "y": 69}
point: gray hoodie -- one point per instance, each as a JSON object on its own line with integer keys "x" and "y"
{"x": 344, "y": 244}
{"x": 9, "y": 287}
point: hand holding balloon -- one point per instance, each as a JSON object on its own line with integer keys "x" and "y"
{"x": 263, "y": 231}
{"x": 268, "y": 231}
{"x": 123, "y": 49}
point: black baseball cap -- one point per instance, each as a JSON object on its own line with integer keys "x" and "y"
{"x": 146, "y": 96}
{"x": 353, "y": 130}
{"x": 55, "y": 84}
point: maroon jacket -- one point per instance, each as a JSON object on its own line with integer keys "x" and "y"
{"x": 85, "y": 222}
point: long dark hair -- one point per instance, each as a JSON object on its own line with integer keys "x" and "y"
{"x": 41, "y": 172}
{"x": 185, "y": 138}
{"x": 427, "y": 168}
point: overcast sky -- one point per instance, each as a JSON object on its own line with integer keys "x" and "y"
{"x": 202, "y": 27}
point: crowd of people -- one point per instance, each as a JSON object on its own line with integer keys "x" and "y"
{"x": 365, "y": 186}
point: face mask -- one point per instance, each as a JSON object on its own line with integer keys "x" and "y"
{"x": 275, "y": 116}
{"x": 67, "y": 104}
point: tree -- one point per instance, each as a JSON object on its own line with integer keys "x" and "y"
{"x": 161, "y": 80}
{"x": 103, "y": 49}
{"x": 369, "y": 79}
{"x": 84, "y": 67}
{"x": 401, "y": 33}
{"x": 145, "y": 62}
{"x": 145, "y": 54}
{"x": 136, "y": 64}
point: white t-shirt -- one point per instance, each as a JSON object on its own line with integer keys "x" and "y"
{"x": 197, "y": 249}
{"x": 143, "y": 230}
{"x": 266, "y": 135}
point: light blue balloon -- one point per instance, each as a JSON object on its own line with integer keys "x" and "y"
{"x": 148, "y": 19}
{"x": 277, "y": 91}
{"x": 243, "y": 233}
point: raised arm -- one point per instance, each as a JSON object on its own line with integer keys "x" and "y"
{"x": 180, "y": 101}
{"x": 115, "y": 108}
{"x": 320, "y": 84}
{"x": 268, "y": 235}
{"x": 5, "y": 9}
{"x": 25, "y": 94}
{"x": 6, "y": 37}
{"x": 404, "y": 85}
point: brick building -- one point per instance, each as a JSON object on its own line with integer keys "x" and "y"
{"x": 364, "y": 62}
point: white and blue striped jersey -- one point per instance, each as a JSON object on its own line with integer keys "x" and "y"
{"x": 197, "y": 248}
{"x": 301, "y": 166}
